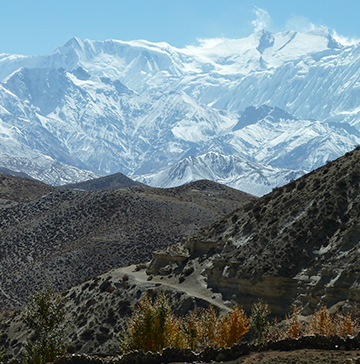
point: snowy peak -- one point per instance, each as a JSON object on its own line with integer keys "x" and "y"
{"x": 75, "y": 43}
{"x": 139, "y": 107}
{"x": 232, "y": 170}
{"x": 266, "y": 40}
{"x": 136, "y": 62}
{"x": 47, "y": 88}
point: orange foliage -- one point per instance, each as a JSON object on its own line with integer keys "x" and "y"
{"x": 233, "y": 327}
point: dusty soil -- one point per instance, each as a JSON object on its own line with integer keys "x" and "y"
{"x": 302, "y": 357}
{"x": 298, "y": 357}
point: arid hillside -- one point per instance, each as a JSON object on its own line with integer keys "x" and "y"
{"x": 300, "y": 243}
{"x": 66, "y": 236}
{"x": 18, "y": 189}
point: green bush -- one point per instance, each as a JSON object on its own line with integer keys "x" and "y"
{"x": 259, "y": 320}
{"x": 45, "y": 316}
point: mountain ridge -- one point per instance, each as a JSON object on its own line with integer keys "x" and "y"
{"x": 139, "y": 107}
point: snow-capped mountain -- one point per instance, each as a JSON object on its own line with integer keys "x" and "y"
{"x": 285, "y": 101}
{"x": 101, "y": 125}
{"x": 45, "y": 169}
{"x": 307, "y": 74}
{"x": 274, "y": 137}
{"x": 231, "y": 170}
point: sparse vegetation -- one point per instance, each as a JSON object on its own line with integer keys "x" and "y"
{"x": 149, "y": 327}
{"x": 233, "y": 327}
{"x": 153, "y": 326}
{"x": 294, "y": 326}
{"x": 321, "y": 323}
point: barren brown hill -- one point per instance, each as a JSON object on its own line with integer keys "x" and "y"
{"x": 18, "y": 189}
{"x": 10, "y": 172}
{"x": 67, "y": 236}
{"x": 112, "y": 182}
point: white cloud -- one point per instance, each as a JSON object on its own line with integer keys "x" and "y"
{"x": 210, "y": 43}
{"x": 344, "y": 40}
{"x": 262, "y": 20}
{"x": 299, "y": 24}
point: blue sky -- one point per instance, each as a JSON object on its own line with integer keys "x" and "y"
{"x": 33, "y": 27}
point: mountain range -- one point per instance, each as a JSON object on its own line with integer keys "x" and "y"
{"x": 282, "y": 104}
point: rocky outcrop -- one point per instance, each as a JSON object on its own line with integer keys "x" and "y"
{"x": 165, "y": 261}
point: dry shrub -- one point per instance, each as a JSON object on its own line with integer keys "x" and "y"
{"x": 321, "y": 323}
{"x": 276, "y": 333}
{"x": 293, "y": 329}
{"x": 346, "y": 326}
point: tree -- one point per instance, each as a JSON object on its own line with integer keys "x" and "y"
{"x": 148, "y": 328}
{"x": 45, "y": 316}
{"x": 153, "y": 326}
{"x": 259, "y": 321}
{"x": 233, "y": 327}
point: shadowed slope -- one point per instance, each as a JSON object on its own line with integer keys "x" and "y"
{"x": 19, "y": 189}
